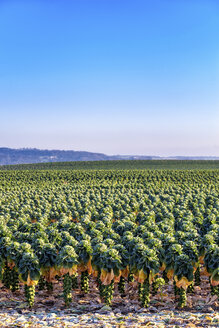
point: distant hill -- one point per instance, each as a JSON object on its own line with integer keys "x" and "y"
{"x": 32, "y": 155}
{"x": 9, "y": 156}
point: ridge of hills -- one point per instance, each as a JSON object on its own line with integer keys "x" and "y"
{"x": 11, "y": 156}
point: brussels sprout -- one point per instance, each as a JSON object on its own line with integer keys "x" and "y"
{"x": 85, "y": 282}
{"x": 67, "y": 287}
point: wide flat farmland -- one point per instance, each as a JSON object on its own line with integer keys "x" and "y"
{"x": 122, "y": 247}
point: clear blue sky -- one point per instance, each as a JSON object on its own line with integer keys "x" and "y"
{"x": 112, "y": 76}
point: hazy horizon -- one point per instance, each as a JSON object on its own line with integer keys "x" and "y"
{"x": 114, "y": 77}
{"x": 84, "y": 150}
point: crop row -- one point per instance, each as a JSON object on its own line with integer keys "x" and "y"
{"x": 150, "y": 227}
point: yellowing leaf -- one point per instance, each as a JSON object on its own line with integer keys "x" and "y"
{"x": 214, "y": 282}
{"x": 117, "y": 278}
{"x": 11, "y": 264}
{"x": 204, "y": 272}
{"x": 183, "y": 282}
{"x": 95, "y": 273}
{"x": 201, "y": 259}
{"x": 125, "y": 272}
{"x": 89, "y": 266}
{"x": 108, "y": 278}
{"x": 72, "y": 270}
{"x": 170, "y": 274}
{"x": 103, "y": 275}
{"x": 163, "y": 267}
{"x": 31, "y": 282}
{"x": 141, "y": 276}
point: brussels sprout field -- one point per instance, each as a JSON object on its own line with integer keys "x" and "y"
{"x": 116, "y": 227}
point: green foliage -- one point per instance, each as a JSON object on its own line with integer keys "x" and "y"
{"x": 120, "y": 165}
{"x": 107, "y": 259}
{"x": 144, "y": 258}
{"x": 47, "y": 255}
{"x": 211, "y": 258}
{"x": 84, "y": 250}
{"x": 141, "y": 221}
{"x": 67, "y": 257}
{"x": 183, "y": 267}
{"x": 29, "y": 265}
